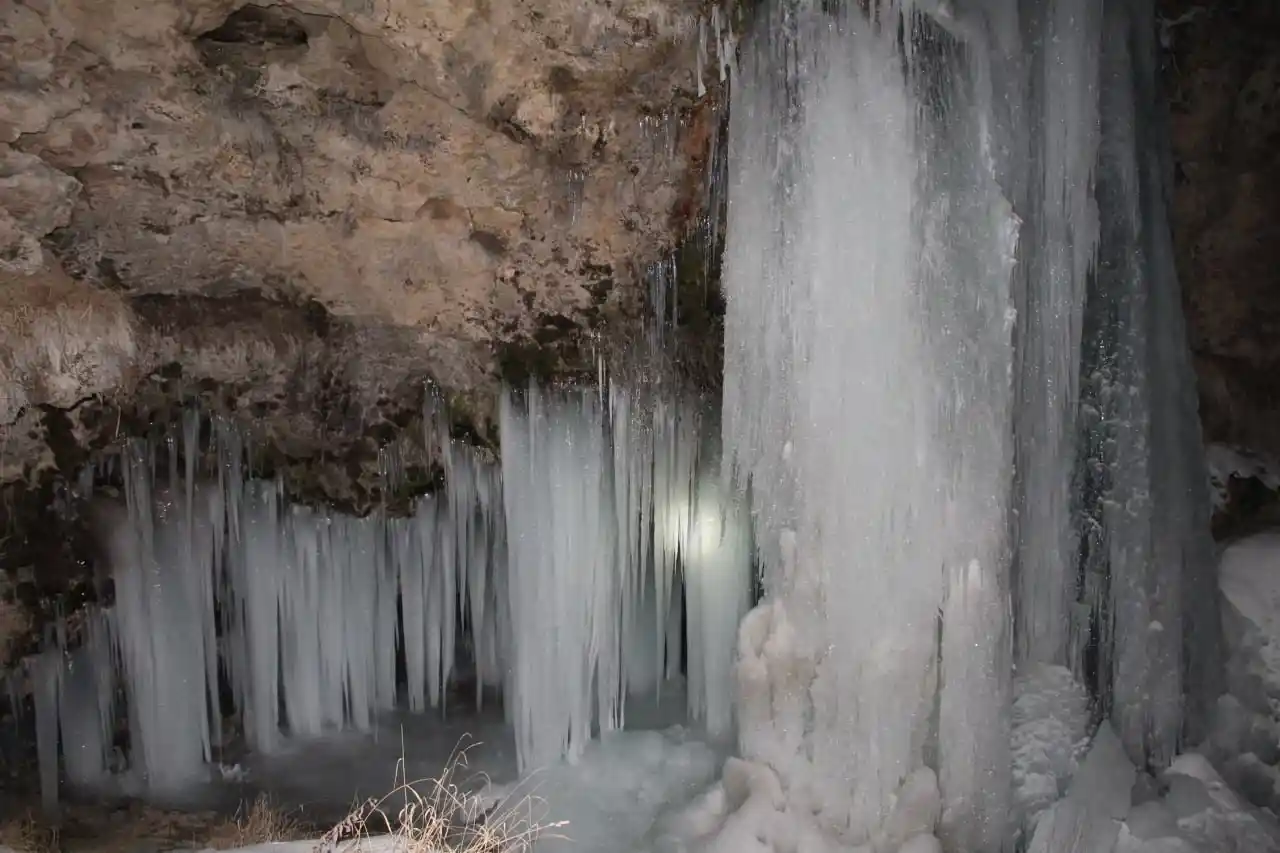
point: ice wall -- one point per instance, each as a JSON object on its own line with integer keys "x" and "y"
{"x": 957, "y": 383}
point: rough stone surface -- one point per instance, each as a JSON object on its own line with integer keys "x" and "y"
{"x": 449, "y": 179}
{"x": 1223, "y": 83}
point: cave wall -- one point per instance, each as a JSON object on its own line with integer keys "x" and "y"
{"x": 1222, "y": 67}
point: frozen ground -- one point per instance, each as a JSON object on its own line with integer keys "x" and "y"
{"x": 323, "y": 778}
{"x": 606, "y": 802}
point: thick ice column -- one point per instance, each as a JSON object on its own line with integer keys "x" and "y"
{"x": 46, "y": 675}
{"x": 301, "y": 630}
{"x": 1176, "y": 442}
{"x": 414, "y": 542}
{"x": 867, "y": 393}
{"x": 256, "y": 574}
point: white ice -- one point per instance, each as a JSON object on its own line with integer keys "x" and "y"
{"x": 867, "y": 398}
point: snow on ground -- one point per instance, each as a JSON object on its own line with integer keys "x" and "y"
{"x": 1249, "y": 576}
{"x": 1199, "y": 812}
{"x": 1110, "y": 808}
{"x": 1223, "y": 797}
{"x": 613, "y": 795}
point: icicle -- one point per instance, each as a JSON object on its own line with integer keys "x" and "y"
{"x": 256, "y": 572}
{"x": 204, "y": 534}
{"x": 385, "y": 627}
{"x": 416, "y": 542}
{"x": 701, "y": 56}
{"x": 158, "y": 601}
{"x": 1059, "y": 258}
{"x": 87, "y": 707}
{"x": 303, "y": 627}
{"x": 556, "y": 498}
{"x": 46, "y": 680}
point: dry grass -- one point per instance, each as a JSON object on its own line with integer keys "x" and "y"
{"x": 259, "y": 823}
{"x": 25, "y": 834}
{"x": 439, "y": 816}
{"x": 60, "y": 340}
{"x": 429, "y": 816}
{"x": 85, "y": 829}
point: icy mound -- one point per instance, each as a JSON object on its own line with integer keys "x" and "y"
{"x": 747, "y": 812}
{"x": 1105, "y": 811}
{"x": 1210, "y": 815}
{"x": 1088, "y": 818}
{"x": 610, "y": 798}
{"x": 1050, "y": 734}
{"x": 1249, "y": 577}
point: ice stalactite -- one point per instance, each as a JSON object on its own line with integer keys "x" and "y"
{"x": 160, "y": 620}
{"x": 1108, "y": 440}
{"x": 86, "y": 705}
{"x": 1058, "y": 256}
{"x": 300, "y": 609}
{"x": 46, "y": 673}
{"x": 561, "y": 567}
{"x": 717, "y": 565}
{"x": 75, "y": 707}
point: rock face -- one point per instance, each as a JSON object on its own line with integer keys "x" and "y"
{"x": 437, "y": 185}
{"x": 1223, "y": 84}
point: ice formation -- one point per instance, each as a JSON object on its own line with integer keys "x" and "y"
{"x": 556, "y": 577}
{"x": 607, "y": 499}
{"x": 957, "y": 384}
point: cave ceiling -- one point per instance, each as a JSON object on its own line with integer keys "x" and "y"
{"x": 303, "y": 211}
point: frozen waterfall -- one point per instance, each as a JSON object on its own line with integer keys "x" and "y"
{"x": 957, "y": 438}
{"x": 957, "y": 383}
